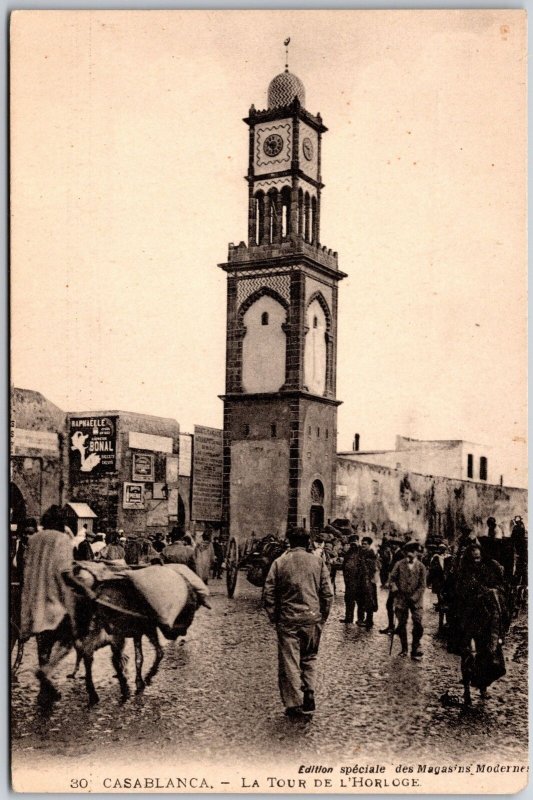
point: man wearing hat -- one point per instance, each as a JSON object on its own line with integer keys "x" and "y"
{"x": 297, "y": 598}
{"x": 82, "y": 546}
{"x": 349, "y": 569}
{"x": 181, "y": 550}
{"x": 439, "y": 580}
{"x": 360, "y": 580}
{"x": 408, "y": 579}
{"x": 492, "y": 544}
{"x": 396, "y": 546}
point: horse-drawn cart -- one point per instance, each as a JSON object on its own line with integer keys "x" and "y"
{"x": 256, "y": 557}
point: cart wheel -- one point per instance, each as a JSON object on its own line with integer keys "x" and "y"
{"x": 232, "y": 567}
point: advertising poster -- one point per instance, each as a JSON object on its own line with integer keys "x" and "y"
{"x": 133, "y": 496}
{"x": 142, "y": 467}
{"x": 92, "y": 448}
{"x": 206, "y": 486}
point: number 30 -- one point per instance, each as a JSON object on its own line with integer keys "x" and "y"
{"x": 79, "y": 783}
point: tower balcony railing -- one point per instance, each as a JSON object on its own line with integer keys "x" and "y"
{"x": 241, "y": 253}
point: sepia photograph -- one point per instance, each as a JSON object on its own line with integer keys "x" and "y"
{"x": 268, "y": 401}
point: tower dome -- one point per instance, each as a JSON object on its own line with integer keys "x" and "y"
{"x": 284, "y": 88}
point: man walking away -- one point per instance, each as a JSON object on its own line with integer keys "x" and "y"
{"x": 204, "y": 555}
{"x": 408, "y": 578}
{"x": 181, "y": 551}
{"x": 218, "y": 550}
{"x": 83, "y": 550}
{"x": 48, "y": 603}
{"x": 297, "y": 598}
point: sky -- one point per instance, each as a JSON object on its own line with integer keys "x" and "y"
{"x": 128, "y": 153}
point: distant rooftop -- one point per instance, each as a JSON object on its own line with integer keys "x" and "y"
{"x": 404, "y": 443}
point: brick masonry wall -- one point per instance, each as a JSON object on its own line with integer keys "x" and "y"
{"x": 259, "y": 414}
{"x": 308, "y": 457}
{"x": 259, "y": 487}
{"x": 318, "y": 455}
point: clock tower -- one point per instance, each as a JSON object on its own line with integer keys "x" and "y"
{"x": 280, "y": 405}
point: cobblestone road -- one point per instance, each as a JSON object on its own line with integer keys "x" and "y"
{"x": 216, "y": 696}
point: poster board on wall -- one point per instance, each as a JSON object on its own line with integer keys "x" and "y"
{"x": 143, "y": 467}
{"x": 207, "y": 474}
{"x": 133, "y": 497}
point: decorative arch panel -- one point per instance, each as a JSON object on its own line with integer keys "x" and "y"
{"x": 279, "y": 284}
{"x": 264, "y": 344}
{"x": 316, "y": 347}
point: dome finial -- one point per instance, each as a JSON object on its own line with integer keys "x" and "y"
{"x": 287, "y": 43}
{"x": 285, "y": 87}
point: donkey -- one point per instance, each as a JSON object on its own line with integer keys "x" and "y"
{"x": 97, "y": 626}
{"x": 119, "y": 613}
{"x": 115, "y": 612}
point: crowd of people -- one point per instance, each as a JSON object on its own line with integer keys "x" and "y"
{"x": 475, "y": 582}
{"x": 203, "y": 553}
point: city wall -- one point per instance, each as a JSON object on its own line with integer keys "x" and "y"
{"x": 36, "y": 447}
{"x": 387, "y": 499}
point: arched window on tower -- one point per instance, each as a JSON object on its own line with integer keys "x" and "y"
{"x": 284, "y": 221}
{"x": 273, "y": 221}
{"x": 285, "y": 212}
{"x": 314, "y": 225}
{"x": 264, "y": 318}
{"x": 307, "y": 213}
{"x": 259, "y": 217}
{"x": 300, "y": 212}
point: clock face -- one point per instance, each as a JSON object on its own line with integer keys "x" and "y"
{"x": 273, "y": 145}
{"x": 307, "y": 146}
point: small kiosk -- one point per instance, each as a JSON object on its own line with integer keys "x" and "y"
{"x": 77, "y": 515}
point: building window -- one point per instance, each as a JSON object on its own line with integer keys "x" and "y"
{"x": 315, "y": 322}
{"x": 317, "y": 493}
{"x": 482, "y": 468}
{"x": 246, "y": 430}
{"x": 309, "y": 431}
{"x": 318, "y": 433}
{"x": 327, "y": 434}
{"x": 273, "y": 430}
{"x": 264, "y": 318}
{"x": 470, "y": 466}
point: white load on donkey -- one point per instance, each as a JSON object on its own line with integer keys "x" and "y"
{"x": 130, "y": 603}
